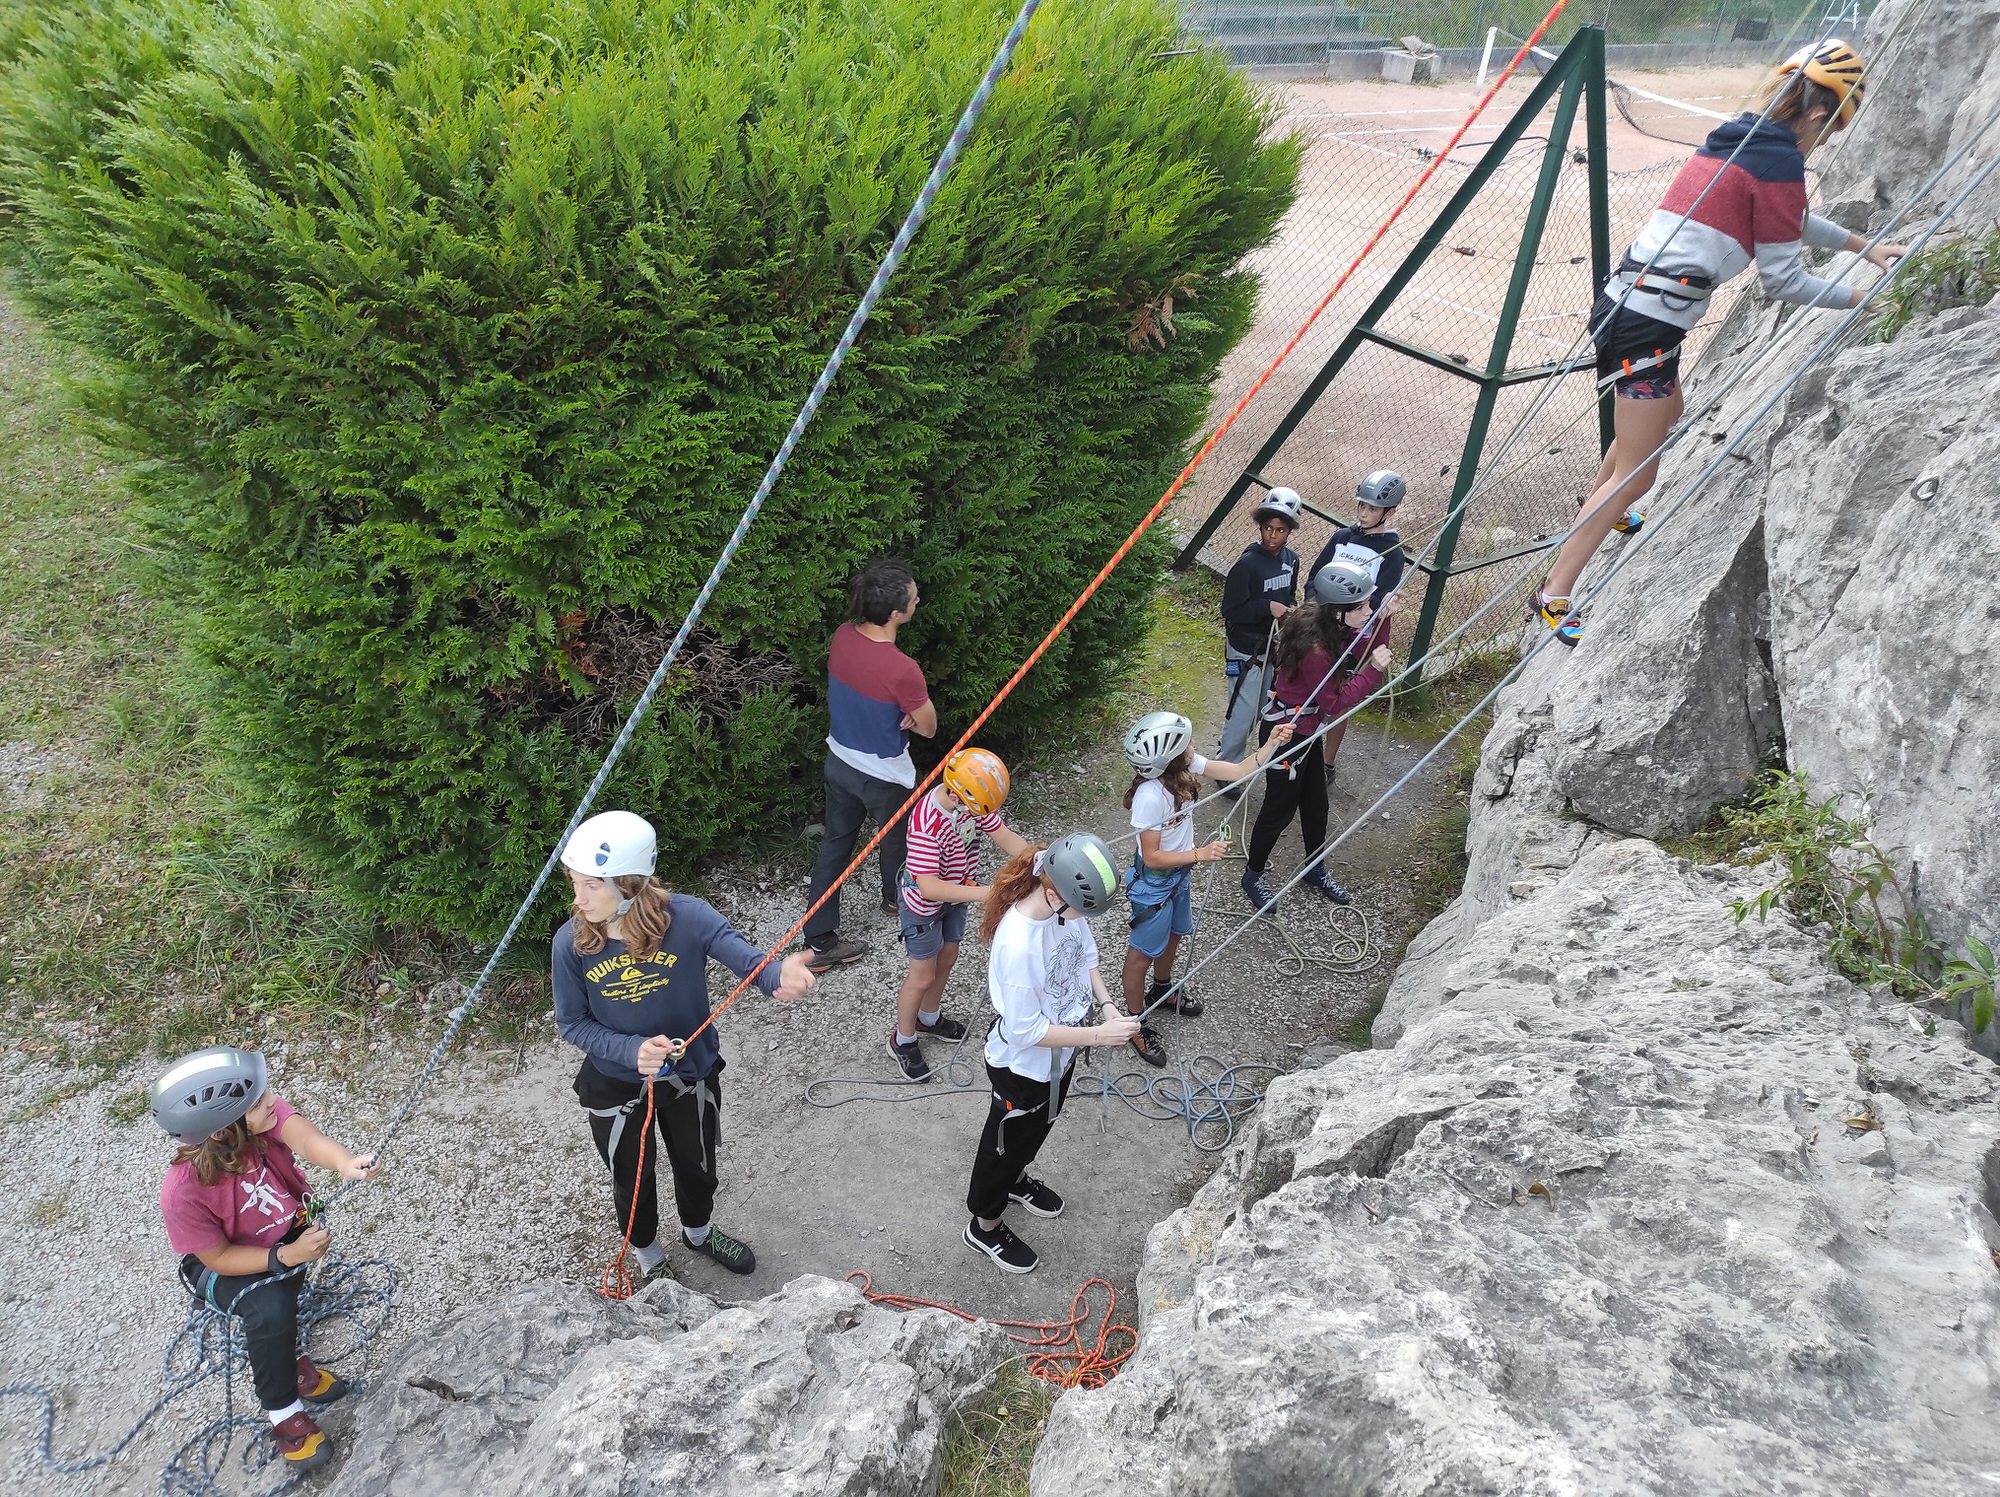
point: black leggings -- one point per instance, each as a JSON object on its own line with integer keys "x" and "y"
{"x": 690, "y": 1134}
{"x": 1018, "y": 1122}
{"x": 1301, "y": 793}
{"x": 270, "y": 1319}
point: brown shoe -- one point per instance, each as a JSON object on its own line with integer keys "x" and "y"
{"x": 842, "y": 953}
{"x": 302, "y": 1443}
{"x": 1147, "y": 1043}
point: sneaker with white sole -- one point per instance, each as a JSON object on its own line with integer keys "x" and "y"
{"x": 1008, "y": 1252}
{"x": 947, "y": 1029}
{"x": 910, "y": 1058}
{"x": 1030, "y": 1193}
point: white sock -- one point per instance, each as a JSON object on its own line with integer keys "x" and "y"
{"x": 928, "y": 1017}
{"x": 696, "y": 1236}
{"x": 905, "y": 1039}
{"x": 651, "y": 1256}
{"x": 279, "y": 1416}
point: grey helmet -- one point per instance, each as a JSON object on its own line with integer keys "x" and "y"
{"x": 1284, "y": 503}
{"x": 1155, "y": 741}
{"x": 203, "y": 1093}
{"x": 1384, "y": 488}
{"x": 1080, "y": 867}
{"x": 1341, "y": 584}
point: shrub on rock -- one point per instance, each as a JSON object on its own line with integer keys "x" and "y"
{"x": 453, "y": 335}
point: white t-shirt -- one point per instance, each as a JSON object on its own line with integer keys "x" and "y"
{"x": 1038, "y": 974}
{"x": 1153, "y": 811}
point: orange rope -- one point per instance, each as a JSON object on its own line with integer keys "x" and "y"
{"x": 616, "y": 1282}
{"x": 1059, "y": 1355}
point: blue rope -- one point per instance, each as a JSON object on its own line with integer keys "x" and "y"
{"x": 884, "y": 272}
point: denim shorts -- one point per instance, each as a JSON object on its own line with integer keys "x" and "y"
{"x": 924, "y": 936}
{"x": 1153, "y": 923}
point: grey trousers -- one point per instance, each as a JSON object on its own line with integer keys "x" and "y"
{"x": 1245, "y": 700}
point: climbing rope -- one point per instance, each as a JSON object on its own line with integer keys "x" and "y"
{"x": 210, "y": 1345}
{"x": 1057, "y": 1353}
{"x": 961, "y": 1080}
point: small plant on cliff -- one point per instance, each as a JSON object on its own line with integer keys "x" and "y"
{"x": 1835, "y": 875}
{"x": 1963, "y": 273}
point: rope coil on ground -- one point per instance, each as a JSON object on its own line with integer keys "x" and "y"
{"x": 1057, "y": 1354}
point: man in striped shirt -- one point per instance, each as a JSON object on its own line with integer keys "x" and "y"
{"x": 940, "y": 882}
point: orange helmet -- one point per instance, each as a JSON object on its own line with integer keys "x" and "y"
{"x": 977, "y": 778}
{"x": 1833, "y": 65}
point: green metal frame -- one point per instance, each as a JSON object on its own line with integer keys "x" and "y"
{"x": 1575, "y": 78}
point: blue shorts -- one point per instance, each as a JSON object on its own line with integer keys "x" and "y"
{"x": 924, "y": 936}
{"x": 1153, "y": 923}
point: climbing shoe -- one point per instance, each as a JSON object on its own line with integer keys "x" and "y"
{"x": 1257, "y": 891}
{"x": 1555, "y": 613}
{"x": 947, "y": 1029}
{"x": 1328, "y": 887}
{"x": 1008, "y": 1252}
{"x": 910, "y": 1059}
{"x": 1035, "y": 1196}
{"x": 724, "y": 1249}
{"x": 890, "y": 907}
{"x": 319, "y": 1387}
{"x": 1182, "y": 1003}
{"x": 302, "y": 1443}
{"x": 1631, "y": 522}
{"x": 839, "y": 952}
{"x": 1147, "y": 1043}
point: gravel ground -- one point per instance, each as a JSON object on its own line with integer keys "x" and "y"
{"x": 494, "y": 1181}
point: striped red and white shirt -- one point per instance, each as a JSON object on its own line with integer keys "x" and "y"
{"x": 944, "y": 844}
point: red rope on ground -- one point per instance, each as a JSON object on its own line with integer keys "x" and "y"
{"x": 1058, "y": 1353}
{"x": 616, "y": 1281}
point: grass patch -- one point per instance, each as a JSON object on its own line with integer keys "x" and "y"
{"x": 989, "y": 1445}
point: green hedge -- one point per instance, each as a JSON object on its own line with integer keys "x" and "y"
{"x": 453, "y": 335}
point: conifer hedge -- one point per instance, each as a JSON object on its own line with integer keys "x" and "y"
{"x": 453, "y": 335}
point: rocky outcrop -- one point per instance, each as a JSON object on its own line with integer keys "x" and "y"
{"x": 1650, "y": 1202}
{"x": 811, "y": 1391}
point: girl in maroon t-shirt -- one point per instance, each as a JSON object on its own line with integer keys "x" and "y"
{"x": 239, "y": 1212}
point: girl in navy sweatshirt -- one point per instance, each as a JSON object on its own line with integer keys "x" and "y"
{"x": 1741, "y": 200}
{"x": 630, "y": 974}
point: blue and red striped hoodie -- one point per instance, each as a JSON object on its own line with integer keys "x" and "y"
{"x": 1756, "y": 209}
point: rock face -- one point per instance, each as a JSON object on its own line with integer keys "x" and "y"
{"x": 1647, "y": 1202}
{"x": 810, "y": 1391}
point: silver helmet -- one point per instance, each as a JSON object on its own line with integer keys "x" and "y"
{"x": 1384, "y": 488}
{"x": 1341, "y": 584}
{"x": 1284, "y": 503}
{"x": 201, "y": 1094}
{"x": 1155, "y": 741}
{"x": 1080, "y": 867}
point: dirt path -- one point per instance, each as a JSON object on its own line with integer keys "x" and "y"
{"x": 495, "y": 1181}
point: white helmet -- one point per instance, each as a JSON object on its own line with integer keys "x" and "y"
{"x": 610, "y": 845}
{"x": 1284, "y": 503}
{"x": 1155, "y": 741}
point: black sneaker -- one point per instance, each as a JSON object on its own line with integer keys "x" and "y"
{"x": 1257, "y": 891}
{"x": 724, "y": 1249}
{"x": 1008, "y": 1252}
{"x": 1182, "y": 1003}
{"x": 838, "y": 952}
{"x": 1147, "y": 1043}
{"x": 946, "y": 1029}
{"x": 910, "y": 1058}
{"x": 1330, "y": 888}
{"x": 1035, "y": 1196}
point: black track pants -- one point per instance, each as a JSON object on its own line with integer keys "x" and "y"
{"x": 1018, "y": 1123}
{"x": 688, "y": 1129}
{"x": 1301, "y": 793}
{"x": 270, "y": 1316}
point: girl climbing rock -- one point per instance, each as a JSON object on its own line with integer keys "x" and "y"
{"x": 1331, "y": 654}
{"x": 630, "y": 973}
{"x": 1043, "y": 978}
{"x": 1750, "y": 208}
{"x": 940, "y": 882}
{"x": 240, "y": 1214}
{"x": 1166, "y": 775}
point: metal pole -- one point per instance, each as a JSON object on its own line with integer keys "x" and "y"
{"x": 1548, "y": 87}
{"x": 1591, "y": 67}
{"x": 1486, "y": 58}
{"x": 1570, "y": 68}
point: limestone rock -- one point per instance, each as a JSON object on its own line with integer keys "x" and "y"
{"x": 1598, "y": 1225}
{"x": 555, "y": 1390}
